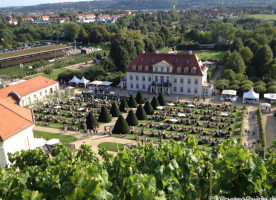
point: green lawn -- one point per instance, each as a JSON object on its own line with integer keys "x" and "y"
{"x": 202, "y": 54}
{"x": 111, "y": 146}
{"x": 264, "y": 16}
{"x": 62, "y": 138}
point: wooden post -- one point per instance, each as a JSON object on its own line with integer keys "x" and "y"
{"x": 211, "y": 180}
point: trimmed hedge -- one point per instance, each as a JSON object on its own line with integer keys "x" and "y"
{"x": 154, "y": 103}
{"x": 104, "y": 115}
{"x": 261, "y": 127}
{"x": 121, "y": 126}
{"x": 148, "y": 108}
{"x": 161, "y": 100}
{"x": 132, "y": 119}
{"x": 242, "y": 126}
{"x": 114, "y": 111}
{"x": 132, "y": 102}
{"x": 123, "y": 105}
{"x": 139, "y": 97}
{"x": 91, "y": 121}
{"x": 141, "y": 113}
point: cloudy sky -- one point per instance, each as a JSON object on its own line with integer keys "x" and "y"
{"x": 6, "y": 3}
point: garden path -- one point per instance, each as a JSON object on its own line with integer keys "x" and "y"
{"x": 251, "y": 124}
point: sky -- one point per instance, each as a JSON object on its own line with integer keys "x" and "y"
{"x": 7, "y": 3}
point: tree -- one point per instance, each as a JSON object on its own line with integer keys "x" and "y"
{"x": 236, "y": 63}
{"x": 148, "y": 108}
{"x": 228, "y": 74}
{"x": 154, "y": 103}
{"x": 247, "y": 55}
{"x": 121, "y": 126}
{"x": 123, "y": 106}
{"x": 262, "y": 58}
{"x": 91, "y": 121}
{"x": 246, "y": 87}
{"x": 132, "y": 102}
{"x": 222, "y": 84}
{"x": 114, "y": 111}
{"x": 237, "y": 45}
{"x": 139, "y": 97}
{"x": 104, "y": 115}
{"x": 71, "y": 31}
{"x": 260, "y": 89}
{"x": 161, "y": 100}
{"x": 48, "y": 70}
{"x": 141, "y": 113}
{"x": 253, "y": 45}
{"x": 132, "y": 119}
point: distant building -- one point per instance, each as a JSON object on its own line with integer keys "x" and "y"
{"x": 16, "y": 130}
{"x": 86, "y": 18}
{"x": 168, "y": 73}
{"x": 30, "y": 91}
{"x": 12, "y": 21}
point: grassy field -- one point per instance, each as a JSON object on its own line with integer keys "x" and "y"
{"x": 62, "y": 138}
{"x": 202, "y": 54}
{"x": 28, "y": 51}
{"x": 111, "y": 146}
{"x": 264, "y": 17}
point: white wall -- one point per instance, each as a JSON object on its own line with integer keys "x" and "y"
{"x": 39, "y": 95}
{"x": 21, "y": 141}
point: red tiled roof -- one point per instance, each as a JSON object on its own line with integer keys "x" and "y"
{"x": 27, "y": 87}
{"x": 13, "y": 119}
{"x": 176, "y": 61}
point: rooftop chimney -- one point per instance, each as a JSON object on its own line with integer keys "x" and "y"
{"x": 190, "y": 53}
{"x": 143, "y": 52}
{"x": 157, "y": 52}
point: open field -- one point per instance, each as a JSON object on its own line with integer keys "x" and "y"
{"x": 29, "y": 51}
{"x": 62, "y": 138}
{"x": 264, "y": 16}
{"x": 202, "y": 54}
{"x": 111, "y": 146}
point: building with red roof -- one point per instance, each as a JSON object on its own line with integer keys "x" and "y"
{"x": 86, "y": 18}
{"x": 168, "y": 73}
{"x": 16, "y": 130}
{"x": 30, "y": 91}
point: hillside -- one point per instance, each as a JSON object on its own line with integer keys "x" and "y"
{"x": 133, "y": 5}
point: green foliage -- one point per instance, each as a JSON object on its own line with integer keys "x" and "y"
{"x": 104, "y": 115}
{"x": 123, "y": 106}
{"x": 262, "y": 58}
{"x": 236, "y": 63}
{"x": 148, "y": 108}
{"x": 237, "y": 45}
{"x": 114, "y": 111}
{"x": 161, "y": 100}
{"x": 261, "y": 127}
{"x": 247, "y": 55}
{"x": 121, "y": 126}
{"x": 48, "y": 70}
{"x": 132, "y": 102}
{"x": 141, "y": 113}
{"x": 154, "y": 103}
{"x": 71, "y": 31}
{"x": 222, "y": 84}
{"x": 132, "y": 119}
{"x": 91, "y": 121}
{"x": 139, "y": 97}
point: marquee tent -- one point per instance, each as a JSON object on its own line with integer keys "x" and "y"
{"x": 83, "y": 82}
{"x": 270, "y": 96}
{"x": 251, "y": 97}
{"x": 229, "y": 92}
{"x": 74, "y": 81}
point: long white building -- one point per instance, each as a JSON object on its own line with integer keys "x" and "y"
{"x": 30, "y": 91}
{"x": 168, "y": 73}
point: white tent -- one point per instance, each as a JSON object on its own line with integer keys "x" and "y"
{"x": 74, "y": 80}
{"x": 270, "y": 96}
{"x": 84, "y": 81}
{"x": 251, "y": 97}
{"x": 266, "y": 105}
{"x": 39, "y": 142}
{"x": 52, "y": 141}
{"x": 229, "y": 92}
{"x": 100, "y": 83}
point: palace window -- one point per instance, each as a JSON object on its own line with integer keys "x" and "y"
{"x": 181, "y": 89}
{"x": 140, "y": 68}
{"x": 193, "y": 70}
{"x": 176, "y": 61}
{"x": 186, "y": 70}
{"x": 137, "y": 86}
{"x": 143, "y": 78}
{"x": 189, "y": 90}
{"x": 144, "y": 87}
{"x": 149, "y": 79}
{"x": 174, "y": 89}
{"x": 168, "y": 69}
{"x": 156, "y": 78}
{"x": 196, "y": 81}
{"x": 195, "y": 91}
{"x": 181, "y": 80}
{"x": 146, "y": 68}
{"x": 178, "y": 70}
{"x": 131, "y": 77}
{"x": 189, "y": 81}
{"x": 137, "y": 78}
{"x": 131, "y": 85}
{"x": 152, "y": 60}
{"x": 175, "y": 80}
{"x": 133, "y": 68}
{"x": 142, "y": 60}
{"x": 187, "y": 62}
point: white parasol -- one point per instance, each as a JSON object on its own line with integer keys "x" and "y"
{"x": 52, "y": 141}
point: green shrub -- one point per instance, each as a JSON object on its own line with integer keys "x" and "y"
{"x": 91, "y": 121}
{"x": 123, "y": 105}
{"x": 104, "y": 115}
{"x": 132, "y": 119}
{"x": 114, "y": 111}
{"x": 261, "y": 127}
{"x": 148, "y": 108}
{"x": 132, "y": 102}
{"x": 141, "y": 113}
{"x": 161, "y": 100}
{"x": 154, "y": 103}
{"x": 121, "y": 126}
{"x": 140, "y": 98}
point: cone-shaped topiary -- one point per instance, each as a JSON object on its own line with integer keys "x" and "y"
{"x": 148, "y": 108}
{"x": 139, "y": 97}
{"x": 154, "y": 103}
{"x": 121, "y": 126}
{"x": 123, "y": 105}
{"x": 91, "y": 121}
{"x": 104, "y": 115}
{"x": 161, "y": 100}
{"x": 114, "y": 111}
{"x": 141, "y": 113}
{"x": 132, "y": 102}
{"x": 132, "y": 119}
